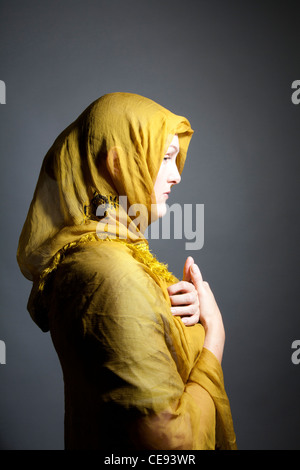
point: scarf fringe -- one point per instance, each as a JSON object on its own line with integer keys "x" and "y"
{"x": 140, "y": 252}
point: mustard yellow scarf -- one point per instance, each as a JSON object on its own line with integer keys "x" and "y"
{"x": 114, "y": 148}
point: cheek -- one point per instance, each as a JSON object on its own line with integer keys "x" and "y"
{"x": 160, "y": 180}
{"x": 157, "y": 185}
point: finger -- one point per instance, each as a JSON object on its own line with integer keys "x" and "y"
{"x": 189, "y": 321}
{"x": 184, "y": 310}
{"x": 186, "y": 270}
{"x": 181, "y": 286}
{"x": 184, "y": 299}
{"x": 196, "y": 276}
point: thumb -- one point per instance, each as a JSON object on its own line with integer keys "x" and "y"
{"x": 196, "y": 276}
{"x": 187, "y": 269}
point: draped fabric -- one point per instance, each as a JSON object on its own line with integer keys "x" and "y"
{"x": 135, "y": 376}
{"x": 113, "y": 149}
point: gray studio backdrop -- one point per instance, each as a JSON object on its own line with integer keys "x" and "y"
{"x": 229, "y": 67}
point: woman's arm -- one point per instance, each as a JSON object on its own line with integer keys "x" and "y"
{"x": 210, "y": 315}
{"x": 146, "y": 362}
{"x": 193, "y": 300}
{"x": 142, "y": 362}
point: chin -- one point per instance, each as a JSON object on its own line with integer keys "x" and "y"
{"x": 161, "y": 209}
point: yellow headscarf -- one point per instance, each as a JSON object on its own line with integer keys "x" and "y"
{"x": 114, "y": 148}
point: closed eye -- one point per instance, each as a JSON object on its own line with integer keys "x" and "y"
{"x": 171, "y": 153}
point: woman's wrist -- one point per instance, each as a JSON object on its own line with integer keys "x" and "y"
{"x": 215, "y": 338}
{"x": 213, "y": 323}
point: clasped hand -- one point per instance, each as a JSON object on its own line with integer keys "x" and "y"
{"x": 192, "y": 298}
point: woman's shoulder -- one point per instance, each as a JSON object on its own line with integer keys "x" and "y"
{"x": 102, "y": 261}
{"x": 106, "y": 277}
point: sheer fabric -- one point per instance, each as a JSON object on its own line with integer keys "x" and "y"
{"x": 135, "y": 376}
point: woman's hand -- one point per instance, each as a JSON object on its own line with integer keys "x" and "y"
{"x": 194, "y": 301}
{"x": 185, "y": 303}
{"x": 184, "y": 297}
{"x": 210, "y": 315}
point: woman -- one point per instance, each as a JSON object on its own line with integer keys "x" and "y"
{"x": 140, "y": 370}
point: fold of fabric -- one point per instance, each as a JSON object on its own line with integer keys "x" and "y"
{"x": 114, "y": 148}
{"x": 135, "y": 376}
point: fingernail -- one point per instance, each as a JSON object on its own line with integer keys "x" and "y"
{"x": 184, "y": 320}
{"x": 194, "y": 268}
{"x": 173, "y": 310}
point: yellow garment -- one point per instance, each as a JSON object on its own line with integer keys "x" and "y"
{"x": 135, "y": 376}
{"x": 114, "y": 148}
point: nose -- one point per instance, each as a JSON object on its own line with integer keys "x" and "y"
{"x": 174, "y": 177}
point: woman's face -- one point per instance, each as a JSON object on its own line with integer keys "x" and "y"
{"x": 168, "y": 175}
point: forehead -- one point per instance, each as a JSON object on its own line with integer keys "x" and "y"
{"x": 174, "y": 144}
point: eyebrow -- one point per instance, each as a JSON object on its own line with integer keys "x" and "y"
{"x": 174, "y": 147}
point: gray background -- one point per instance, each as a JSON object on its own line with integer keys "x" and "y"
{"x": 226, "y": 65}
